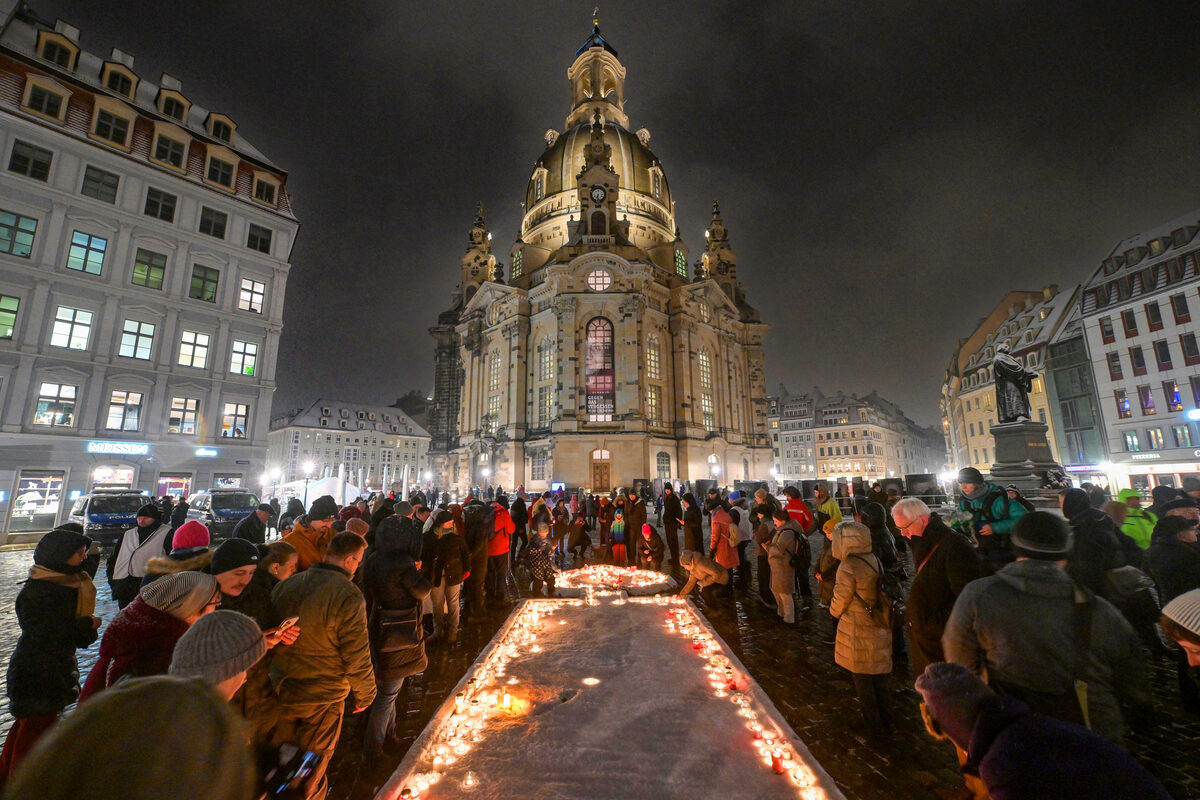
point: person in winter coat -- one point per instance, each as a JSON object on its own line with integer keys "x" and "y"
{"x": 945, "y": 563}
{"x": 650, "y": 549}
{"x": 540, "y": 560}
{"x": 476, "y": 538}
{"x": 330, "y": 661}
{"x": 993, "y": 515}
{"x": 1020, "y": 628}
{"x": 579, "y": 541}
{"x": 178, "y": 514}
{"x": 497, "y": 550}
{"x": 618, "y": 535}
{"x": 788, "y": 546}
{"x": 1139, "y": 523}
{"x": 1131, "y": 551}
{"x": 670, "y": 516}
{"x": 520, "y": 517}
{"x": 293, "y": 511}
{"x": 827, "y": 508}
{"x": 883, "y": 545}
{"x": 827, "y": 565}
{"x": 127, "y": 563}
{"x": 605, "y": 513}
{"x": 219, "y": 650}
{"x": 693, "y": 523}
{"x": 1181, "y": 624}
{"x": 705, "y": 573}
{"x": 189, "y": 553}
{"x": 635, "y": 518}
{"x": 864, "y": 647}
{"x": 740, "y": 515}
{"x": 764, "y": 531}
{"x": 450, "y": 559}
{"x": 798, "y": 509}
{"x": 253, "y": 527}
{"x": 56, "y": 611}
{"x": 539, "y": 512}
{"x": 724, "y": 540}
{"x": 560, "y": 527}
{"x": 141, "y": 637}
{"x": 1096, "y": 547}
{"x": 1174, "y": 558}
{"x": 310, "y": 534}
{"x": 1020, "y": 755}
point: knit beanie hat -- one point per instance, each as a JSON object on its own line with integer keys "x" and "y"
{"x": 358, "y": 526}
{"x": 647, "y": 530}
{"x": 217, "y": 647}
{"x": 324, "y": 507}
{"x": 953, "y": 695}
{"x": 1041, "y": 534}
{"x": 1184, "y": 611}
{"x": 192, "y": 533}
{"x": 233, "y": 553}
{"x": 150, "y": 510}
{"x": 53, "y": 549}
{"x": 970, "y": 475}
{"x": 181, "y": 595}
{"x": 349, "y": 512}
{"x": 828, "y": 527}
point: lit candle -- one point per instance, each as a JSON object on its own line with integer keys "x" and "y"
{"x": 469, "y": 781}
{"x": 460, "y": 701}
{"x": 507, "y": 701}
{"x": 758, "y": 730}
{"x": 777, "y": 762}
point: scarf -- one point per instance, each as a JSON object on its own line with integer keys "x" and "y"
{"x": 980, "y": 491}
{"x": 85, "y": 603}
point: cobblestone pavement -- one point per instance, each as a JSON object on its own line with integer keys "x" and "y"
{"x": 794, "y": 666}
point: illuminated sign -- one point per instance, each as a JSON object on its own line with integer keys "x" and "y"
{"x": 1144, "y": 456}
{"x": 205, "y": 452}
{"x": 1083, "y": 468}
{"x": 119, "y": 448}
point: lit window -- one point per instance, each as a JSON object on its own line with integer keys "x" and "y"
{"x": 212, "y": 222}
{"x": 235, "y": 420}
{"x": 705, "y": 312}
{"x": 160, "y": 205}
{"x": 193, "y": 349}
{"x": 169, "y": 151}
{"x": 1154, "y": 438}
{"x": 86, "y": 253}
{"x": 494, "y": 371}
{"x": 137, "y": 339}
{"x": 705, "y": 363}
{"x": 112, "y": 128}
{"x": 1174, "y": 401}
{"x": 8, "y": 315}
{"x": 653, "y": 406}
{"x": 598, "y": 280}
{"x": 545, "y": 405}
{"x": 55, "y": 405}
{"x": 657, "y": 184}
{"x": 251, "y": 295}
{"x": 493, "y": 414}
{"x": 1146, "y": 399}
{"x": 259, "y": 238}
{"x": 706, "y": 412}
{"x": 600, "y": 373}
{"x": 653, "y": 369}
{"x": 680, "y": 263}
{"x": 244, "y": 359}
{"x": 1182, "y": 434}
{"x": 546, "y": 360}
{"x": 204, "y": 283}
{"x": 185, "y": 414}
{"x": 16, "y": 234}
{"x": 100, "y": 184}
{"x": 537, "y": 466}
{"x": 148, "y": 269}
{"x": 539, "y": 187}
{"x": 518, "y": 263}
{"x": 30, "y": 161}
{"x": 45, "y": 102}
{"x": 124, "y": 410}
{"x": 72, "y": 328}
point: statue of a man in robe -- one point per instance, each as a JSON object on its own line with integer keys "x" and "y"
{"x": 1013, "y": 384}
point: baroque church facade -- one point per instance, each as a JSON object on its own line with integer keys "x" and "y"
{"x": 598, "y": 361}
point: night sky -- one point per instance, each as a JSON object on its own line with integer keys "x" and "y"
{"x": 887, "y": 170}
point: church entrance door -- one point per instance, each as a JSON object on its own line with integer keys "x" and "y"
{"x": 600, "y": 477}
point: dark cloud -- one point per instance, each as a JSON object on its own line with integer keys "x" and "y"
{"x": 888, "y": 170}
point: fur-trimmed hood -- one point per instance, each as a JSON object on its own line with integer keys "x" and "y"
{"x": 184, "y": 562}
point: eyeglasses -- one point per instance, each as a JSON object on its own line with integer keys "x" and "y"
{"x": 910, "y": 524}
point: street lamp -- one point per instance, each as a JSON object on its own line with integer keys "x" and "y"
{"x": 308, "y": 468}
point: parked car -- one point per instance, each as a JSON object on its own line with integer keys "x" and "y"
{"x": 106, "y": 514}
{"x": 221, "y": 509}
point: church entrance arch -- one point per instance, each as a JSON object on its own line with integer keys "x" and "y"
{"x": 601, "y": 470}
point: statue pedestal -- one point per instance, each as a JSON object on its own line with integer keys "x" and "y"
{"x": 1023, "y": 458}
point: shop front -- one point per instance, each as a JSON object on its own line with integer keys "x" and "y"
{"x": 1146, "y": 470}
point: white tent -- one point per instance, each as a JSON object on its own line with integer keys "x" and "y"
{"x": 319, "y": 487}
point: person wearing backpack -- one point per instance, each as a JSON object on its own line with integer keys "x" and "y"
{"x": 787, "y": 552}
{"x": 864, "y": 631}
{"x": 993, "y": 514}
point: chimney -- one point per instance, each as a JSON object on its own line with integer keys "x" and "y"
{"x": 67, "y": 29}
{"x": 121, "y": 57}
{"x": 1049, "y": 291}
{"x": 170, "y": 82}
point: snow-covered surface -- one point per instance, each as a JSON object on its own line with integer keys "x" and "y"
{"x": 609, "y": 698}
{"x": 634, "y": 582}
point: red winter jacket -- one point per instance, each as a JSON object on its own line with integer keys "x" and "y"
{"x": 138, "y": 642}
{"x": 504, "y": 527}
{"x": 798, "y": 510}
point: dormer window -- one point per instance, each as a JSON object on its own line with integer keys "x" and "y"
{"x": 119, "y": 79}
{"x": 173, "y": 108}
{"x": 170, "y": 145}
{"x": 266, "y": 188}
{"x": 46, "y": 98}
{"x": 221, "y": 127}
{"x": 58, "y": 50}
{"x": 112, "y": 122}
{"x": 1156, "y": 247}
{"x": 221, "y": 169}
{"x": 172, "y": 104}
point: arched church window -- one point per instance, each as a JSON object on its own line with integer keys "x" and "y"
{"x": 599, "y": 226}
{"x": 663, "y": 463}
{"x": 518, "y": 265}
{"x": 705, "y": 312}
{"x": 653, "y": 371}
{"x": 546, "y": 359}
{"x": 600, "y": 374}
{"x": 704, "y": 360}
{"x": 493, "y": 370}
{"x": 680, "y": 263}
{"x": 657, "y": 184}
{"x": 598, "y": 280}
{"x": 539, "y": 187}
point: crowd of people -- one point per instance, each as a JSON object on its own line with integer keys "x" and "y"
{"x": 1021, "y": 624}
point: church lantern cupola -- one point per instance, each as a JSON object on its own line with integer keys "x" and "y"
{"x": 718, "y": 261}
{"x": 478, "y": 263}
{"x": 597, "y": 82}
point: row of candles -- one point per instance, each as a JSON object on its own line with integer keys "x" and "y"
{"x": 488, "y": 695}
{"x": 609, "y": 575}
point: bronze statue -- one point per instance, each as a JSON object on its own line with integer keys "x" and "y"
{"x": 1013, "y": 384}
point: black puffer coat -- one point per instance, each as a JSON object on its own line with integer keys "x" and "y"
{"x": 391, "y": 582}
{"x": 882, "y": 543}
{"x": 1096, "y": 547}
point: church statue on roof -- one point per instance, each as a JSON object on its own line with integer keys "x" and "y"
{"x": 598, "y": 362}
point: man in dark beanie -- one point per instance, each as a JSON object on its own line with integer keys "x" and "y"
{"x": 1046, "y": 640}
{"x": 1018, "y": 754}
{"x": 127, "y": 564}
{"x": 993, "y": 514}
{"x": 233, "y": 565}
{"x": 311, "y": 532}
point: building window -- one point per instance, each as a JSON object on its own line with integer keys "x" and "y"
{"x": 264, "y": 191}
{"x": 8, "y": 315}
{"x": 55, "y": 405}
{"x": 160, "y": 205}
{"x": 86, "y": 253}
{"x": 1191, "y": 351}
{"x": 545, "y": 405}
{"x": 705, "y": 363}
{"x": 492, "y": 422}
{"x": 546, "y": 360}
{"x": 149, "y": 269}
{"x": 100, "y": 185}
{"x": 1154, "y": 438}
{"x": 1129, "y": 321}
{"x": 971, "y": 427}
{"x": 72, "y": 328}
{"x": 653, "y": 406}
{"x": 1106, "y": 330}
{"x": 598, "y": 280}
{"x": 16, "y": 234}
{"x": 212, "y": 222}
{"x": 120, "y": 83}
{"x": 124, "y": 410}
{"x": 539, "y": 187}
{"x": 705, "y": 312}
{"x": 657, "y": 186}
{"x": 680, "y": 263}
{"x": 112, "y": 128}
{"x": 185, "y": 415}
{"x": 1179, "y": 306}
{"x": 600, "y": 374}
{"x": 706, "y": 412}
{"x": 1162, "y": 355}
{"x": 30, "y": 161}
{"x": 174, "y": 108}
{"x": 251, "y": 295}
{"x": 537, "y": 466}
{"x": 1182, "y": 434}
{"x": 1146, "y": 399}
{"x": 1171, "y": 391}
{"x": 204, "y": 283}
{"x": 1123, "y": 409}
{"x": 662, "y": 463}
{"x": 244, "y": 359}
{"x": 137, "y": 339}
{"x": 57, "y": 53}
{"x": 518, "y": 265}
{"x": 1154, "y": 317}
{"x": 259, "y": 238}
{"x": 1138, "y": 359}
{"x": 169, "y": 151}
{"x": 653, "y": 369}
{"x": 493, "y": 365}
{"x": 221, "y": 130}
{"x": 220, "y": 172}
{"x": 235, "y": 419}
{"x": 193, "y": 349}
{"x": 1195, "y": 381}
{"x": 1114, "y": 366}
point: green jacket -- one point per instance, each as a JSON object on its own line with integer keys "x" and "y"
{"x": 831, "y": 509}
{"x": 1001, "y": 512}
{"x": 1139, "y": 524}
{"x": 332, "y": 657}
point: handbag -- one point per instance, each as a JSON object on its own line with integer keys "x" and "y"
{"x": 1125, "y": 582}
{"x": 396, "y": 629}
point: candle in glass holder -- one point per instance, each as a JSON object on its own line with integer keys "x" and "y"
{"x": 506, "y": 701}
{"x": 758, "y": 730}
{"x": 460, "y": 701}
{"x": 777, "y": 761}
